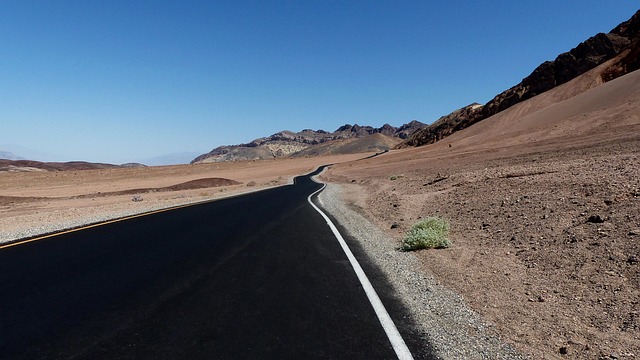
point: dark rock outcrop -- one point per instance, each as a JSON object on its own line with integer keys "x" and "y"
{"x": 444, "y": 126}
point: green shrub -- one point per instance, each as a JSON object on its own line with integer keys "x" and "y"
{"x": 429, "y": 233}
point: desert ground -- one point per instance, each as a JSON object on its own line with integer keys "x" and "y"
{"x": 544, "y": 207}
{"x": 38, "y": 202}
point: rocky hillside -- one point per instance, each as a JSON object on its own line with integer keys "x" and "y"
{"x": 307, "y": 142}
{"x": 619, "y": 49}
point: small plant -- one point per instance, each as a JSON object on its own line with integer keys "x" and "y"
{"x": 430, "y": 233}
{"x": 251, "y": 183}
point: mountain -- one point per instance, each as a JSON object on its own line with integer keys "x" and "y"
{"x": 614, "y": 54}
{"x": 6, "y": 155}
{"x": 28, "y": 153}
{"x": 31, "y": 165}
{"x": 308, "y": 143}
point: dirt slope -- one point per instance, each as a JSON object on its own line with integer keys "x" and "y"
{"x": 544, "y": 205}
{"x": 592, "y": 113}
{"x": 619, "y": 49}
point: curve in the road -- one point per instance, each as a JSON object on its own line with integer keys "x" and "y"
{"x": 256, "y": 276}
{"x": 397, "y": 342}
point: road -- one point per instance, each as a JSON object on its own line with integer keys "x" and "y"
{"x": 259, "y": 276}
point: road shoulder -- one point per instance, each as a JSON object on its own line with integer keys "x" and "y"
{"x": 441, "y": 315}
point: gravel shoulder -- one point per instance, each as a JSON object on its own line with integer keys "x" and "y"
{"x": 545, "y": 238}
{"x": 34, "y": 203}
{"x": 453, "y": 329}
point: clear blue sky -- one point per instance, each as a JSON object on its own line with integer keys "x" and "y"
{"x": 118, "y": 81}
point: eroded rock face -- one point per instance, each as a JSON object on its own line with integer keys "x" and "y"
{"x": 623, "y": 42}
{"x": 630, "y": 57}
{"x": 445, "y": 126}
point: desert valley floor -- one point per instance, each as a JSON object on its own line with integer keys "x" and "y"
{"x": 543, "y": 201}
{"x": 528, "y": 252}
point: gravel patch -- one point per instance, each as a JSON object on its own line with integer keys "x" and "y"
{"x": 76, "y": 217}
{"x": 50, "y": 222}
{"x": 453, "y": 329}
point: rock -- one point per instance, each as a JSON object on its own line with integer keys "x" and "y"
{"x": 595, "y": 219}
{"x": 305, "y": 143}
{"x": 634, "y": 232}
{"x": 395, "y": 225}
{"x": 632, "y": 260}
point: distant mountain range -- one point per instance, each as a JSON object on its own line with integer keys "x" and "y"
{"x": 6, "y": 155}
{"x": 30, "y": 165}
{"x": 346, "y": 139}
{"x": 618, "y": 52}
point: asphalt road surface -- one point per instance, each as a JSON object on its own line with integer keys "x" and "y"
{"x": 259, "y": 276}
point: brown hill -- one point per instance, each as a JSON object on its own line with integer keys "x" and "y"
{"x": 619, "y": 49}
{"x": 543, "y": 201}
{"x": 606, "y": 112}
{"x": 609, "y": 112}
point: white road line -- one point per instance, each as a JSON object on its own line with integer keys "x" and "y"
{"x": 398, "y": 344}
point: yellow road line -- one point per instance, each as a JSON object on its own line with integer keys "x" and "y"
{"x": 99, "y": 224}
{"x": 131, "y": 217}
